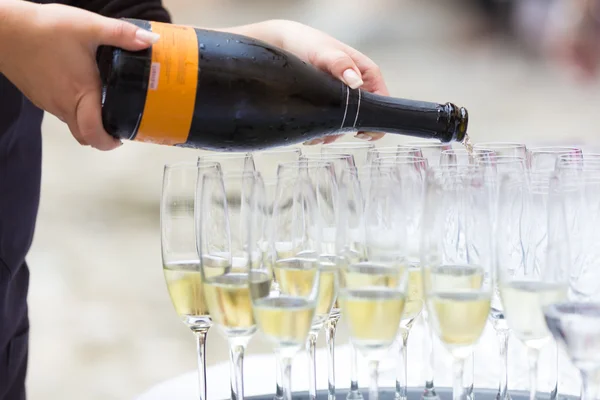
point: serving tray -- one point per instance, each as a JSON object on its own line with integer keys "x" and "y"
{"x": 415, "y": 394}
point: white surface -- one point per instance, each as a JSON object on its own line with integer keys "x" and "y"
{"x": 259, "y": 371}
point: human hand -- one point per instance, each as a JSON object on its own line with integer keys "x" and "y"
{"x": 51, "y": 57}
{"x": 325, "y": 53}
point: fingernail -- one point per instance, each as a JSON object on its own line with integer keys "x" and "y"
{"x": 147, "y": 36}
{"x": 313, "y": 142}
{"x": 363, "y": 136}
{"x": 352, "y": 79}
{"x": 120, "y": 143}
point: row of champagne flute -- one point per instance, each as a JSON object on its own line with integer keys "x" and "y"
{"x": 546, "y": 207}
{"x": 381, "y": 159}
{"x": 182, "y": 271}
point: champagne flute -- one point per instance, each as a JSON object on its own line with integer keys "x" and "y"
{"x": 350, "y": 246}
{"x": 571, "y": 161}
{"x": 226, "y": 263}
{"x": 409, "y": 175}
{"x": 373, "y": 290}
{"x": 456, "y": 259}
{"x": 576, "y": 327}
{"x": 580, "y": 182}
{"x": 456, "y": 156}
{"x": 544, "y": 158}
{"x": 429, "y": 150}
{"x": 493, "y": 166}
{"x": 266, "y": 162}
{"x": 542, "y": 281}
{"x": 358, "y": 151}
{"x": 464, "y": 157}
{"x": 575, "y": 324}
{"x": 326, "y": 190}
{"x": 181, "y": 262}
{"x": 392, "y": 151}
{"x": 511, "y": 149}
{"x": 510, "y": 196}
{"x": 339, "y": 161}
{"x": 230, "y": 161}
{"x": 286, "y": 319}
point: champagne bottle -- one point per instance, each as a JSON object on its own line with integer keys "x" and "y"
{"x": 226, "y": 92}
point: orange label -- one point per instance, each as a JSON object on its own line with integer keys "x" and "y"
{"x": 172, "y": 84}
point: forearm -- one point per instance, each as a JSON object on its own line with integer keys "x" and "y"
{"x": 150, "y": 10}
{"x": 14, "y": 17}
{"x": 267, "y": 31}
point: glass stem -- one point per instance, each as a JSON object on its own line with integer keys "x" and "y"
{"x": 374, "y": 380}
{"x": 237, "y": 347}
{"x": 554, "y": 391}
{"x": 311, "y": 348}
{"x": 468, "y": 376}
{"x": 458, "y": 389}
{"x": 278, "y": 383}
{"x": 533, "y": 355}
{"x": 402, "y": 370}
{"x": 503, "y": 335}
{"x": 285, "y": 363}
{"x": 428, "y": 357}
{"x": 330, "y": 329}
{"x": 354, "y": 393}
{"x": 200, "y": 334}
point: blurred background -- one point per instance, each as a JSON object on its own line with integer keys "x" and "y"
{"x": 102, "y": 323}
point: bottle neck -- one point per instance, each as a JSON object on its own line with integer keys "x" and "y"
{"x": 371, "y": 112}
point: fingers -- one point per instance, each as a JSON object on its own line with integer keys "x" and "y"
{"x": 356, "y": 70}
{"x": 331, "y": 139}
{"x": 369, "y": 136}
{"x": 86, "y": 125}
{"x": 323, "y": 140}
{"x": 338, "y": 64}
{"x": 123, "y": 34}
{"x": 374, "y": 82}
{"x": 370, "y": 72}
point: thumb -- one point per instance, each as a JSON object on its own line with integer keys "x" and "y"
{"x": 338, "y": 64}
{"x": 119, "y": 33}
{"x": 88, "y": 122}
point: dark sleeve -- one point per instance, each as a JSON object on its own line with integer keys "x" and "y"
{"x": 150, "y": 10}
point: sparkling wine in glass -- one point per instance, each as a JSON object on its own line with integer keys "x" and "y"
{"x": 224, "y": 238}
{"x": 181, "y": 261}
{"x": 408, "y": 173}
{"x": 267, "y": 162}
{"x": 544, "y": 279}
{"x": 350, "y": 247}
{"x": 285, "y": 316}
{"x": 373, "y": 290}
{"x": 509, "y": 243}
{"x": 456, "y": 258}
{"x": 328, "y": 313}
